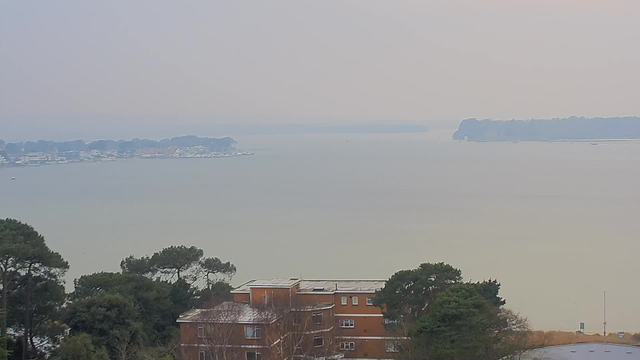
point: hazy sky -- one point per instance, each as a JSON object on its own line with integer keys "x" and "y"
{"x": 90, "y": 67}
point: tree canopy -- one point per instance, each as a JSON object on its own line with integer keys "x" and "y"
{"x": 27, "y": 265}
{"x": 462, "y": 324}
{"x": 126, "y": 315}
{"x": 173, "y": 262}
{"x": 152, "y": 303}
{"x": 80, "y": 347}
{"x": 155, "y": 306}
{"x": 408, "y": 293}
{"x": 446, "y": 318}
{"x": 132, "y": 314}
{"x": 458, "y": 326}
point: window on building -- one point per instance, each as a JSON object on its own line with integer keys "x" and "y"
{"x": 318, "y": 341}
{"x": 393, "y": 346}
{"x": 347, "y": 346}
{"x": 317, "y": 317}
{"x": 297, "y": 320}
{"x": 252, "y": 332}
{"x": 202, "y": 355}
{"x": 254, "y": 355}
{"x": 354, "y": 300}
{"x": 370, "y": 301}
{"x": 390, "y": 321}
{"x": 343, "y": 300}
{"x": 200, "y": 330}
{"x": 347, "y": 323}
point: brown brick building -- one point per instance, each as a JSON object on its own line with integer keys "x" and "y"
{"x": 282, "y": 319}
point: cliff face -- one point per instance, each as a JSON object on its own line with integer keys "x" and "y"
{"x": 573, "y": 128}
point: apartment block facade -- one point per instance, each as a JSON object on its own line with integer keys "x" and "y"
{"x": 280, "y": 319}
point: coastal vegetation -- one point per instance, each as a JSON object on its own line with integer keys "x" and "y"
{"x": 109, "y": 315}
{"x": 446, "y": 318}
{"x": 131, "y": 314}
{"x": 41, "y": 152}
{"x": 572, "y": 128}
{"x": 214, "y": 144}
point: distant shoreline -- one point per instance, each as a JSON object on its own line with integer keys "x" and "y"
{"x": 228, "y": 155}
{"x": 568, "y": 129}
{"x": 214, "y": 156}
{"x": 44, "y": 152}
{"x": 600, "y": 140}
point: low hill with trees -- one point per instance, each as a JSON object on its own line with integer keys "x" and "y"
{"x": 572, "y": 128}
{"x": 131, "y": 314}
{"x": 127, "y": 315}
{"x": 215, "y": 144}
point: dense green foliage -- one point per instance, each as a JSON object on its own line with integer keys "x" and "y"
{"x": 107, "y": 318}
{"x": 129, "y": 315}
{"x": 445, "y": 318}
{"x": 408, "y": 293}
{"x": 135, "y": 311}
{"x": 460, "y": 325}
{"x": 27, "y": 268}
{"x": 80, "y": 347}
{"x": 155, "y": 307}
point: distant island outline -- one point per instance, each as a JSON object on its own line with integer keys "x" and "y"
{"x": 557, "y": 129}
{"x": 44, "y": 152}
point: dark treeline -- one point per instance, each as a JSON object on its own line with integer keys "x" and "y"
{"x": 442, "y": 317}
{"x": 128, "y": 315}
{"x": 573, "y": 128}
{"x": 215, "y": 144}
{"x": 131, "y": 314}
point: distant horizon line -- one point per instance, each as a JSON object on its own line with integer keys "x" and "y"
{"x": 245, "y": 129}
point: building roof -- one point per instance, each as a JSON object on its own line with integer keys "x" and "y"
{"x": 266, "y": 283}
{"x": 588, "y": 351}
{"x": 229, "y": 312}
{"x": 327, "y": 286}
{"x": 368, "y": 286}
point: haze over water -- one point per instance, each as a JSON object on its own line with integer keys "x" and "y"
{"x": 556, "y": 223}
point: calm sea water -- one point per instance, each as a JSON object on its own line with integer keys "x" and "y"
{"x": 556, "y": 223}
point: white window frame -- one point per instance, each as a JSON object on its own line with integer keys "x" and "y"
{"x": 344, "y": 300}
{"x": 258, "y": 355}
{"x": 347, "y": 323}
{"x": 257, "y": 332}
{"x": 354, "y": 300}
{"x": 392, "y": 346}
{"x": 369, "y": 301}
{"x": 202, "y": 355}
{"x": 316, "y": 315}
{"x": 318, "y": 337}
{"x": 348, "y": 346}
{"x": 200, "y": 330}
